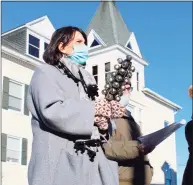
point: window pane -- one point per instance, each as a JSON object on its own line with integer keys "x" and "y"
{"x": 107, "y": 67}
{"x": 96, "y": 78}
{"x": 95, "y": 70}
{"x": 14, "y": 103}
{"x": 107, "y": 76}
{"x": 129, "y": 45}
{"x": 13, "y": 143}
{"x": 13, "y": 149}
{"x": 137, "y": 76}
{"x": 34, "y": 41}
{"x": 15, "y": 89}
{"x": 13, "y": 156}
{"x": 137, "y": 81}
{"x": 94, "y": 43}
{"x": 45, "y": 45}
{"x": 33, "y": 51}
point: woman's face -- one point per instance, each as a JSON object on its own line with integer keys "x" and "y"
{"x": 68, "y": 49}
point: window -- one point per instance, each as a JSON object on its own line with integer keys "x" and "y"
{"x": 15, "y": 96}
{"x": 94, "y": 43}
{"x": 137, "y": 74}
{"x": 13, "y": 153}
{"x": 129, "y": 45}
{"x": 45, "y": 45}
{"x": 95, "y": 73}
{"x": 34, "y": 46}
{"x": 14, "y": 149}
{"x": 166, "y": 123}
{"x": 107, "y": 71}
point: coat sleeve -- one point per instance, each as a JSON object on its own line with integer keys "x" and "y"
{"x": 57, "y": 111}
{"x": 120, "y": 145}
{"x": 121, "y": 150}
{"x": 188, "y": 133}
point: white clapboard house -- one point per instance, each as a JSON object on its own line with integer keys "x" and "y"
{"x": 108, "y": 39}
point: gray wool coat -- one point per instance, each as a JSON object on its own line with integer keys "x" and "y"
{"x": 57, "y": 110}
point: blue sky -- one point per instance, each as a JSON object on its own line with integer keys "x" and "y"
{"x": 164, "y": 34}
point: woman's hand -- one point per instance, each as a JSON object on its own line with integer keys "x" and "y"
{"x": 145, "y": 150}
{"x": 105, "y": 110}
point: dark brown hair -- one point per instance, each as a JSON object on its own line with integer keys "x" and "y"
{"x": 52, "y": 54}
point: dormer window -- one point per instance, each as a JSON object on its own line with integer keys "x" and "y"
{"x": 34, "y": 46}
{"x": 95, "y": 43}
{"x": 94, "y": 40}
{"x": 129, "y": 45}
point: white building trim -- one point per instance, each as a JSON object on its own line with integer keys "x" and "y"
{"x": 13, "y": 30}
{"x": 37, "y": 20}
{"x": 27, "y": 25}
{"x": 160, "y": 98}
{"x": 20, "y": 58}
{"x": 124, "y": 50}
{"x": 23, "y": 60}
{"x": 40, "y": 35}
{"x": 93, "y": 35}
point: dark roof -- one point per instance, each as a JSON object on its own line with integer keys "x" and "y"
{"x": 109, "y": 24}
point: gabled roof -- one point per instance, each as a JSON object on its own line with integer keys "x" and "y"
{"x": 109, "y": 24}
{"x": 32, "y": 25}
{"x": 17, "y": 38}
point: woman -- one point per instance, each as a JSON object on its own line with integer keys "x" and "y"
{"x": 66, "y": 144}
{"x": 123, "y": 147}
{"x": 187, "y": 178}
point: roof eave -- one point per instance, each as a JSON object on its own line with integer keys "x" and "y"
{"x": 122, "y": 49}
{"x": 13, "y": 30}
{"x": 160, "y": 98}
{"x": 21, "y": 57}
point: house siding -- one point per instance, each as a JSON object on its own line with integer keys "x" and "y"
{"x": 16, "y": 41}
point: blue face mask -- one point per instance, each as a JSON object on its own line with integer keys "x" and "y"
{"x": 80, "y": 54}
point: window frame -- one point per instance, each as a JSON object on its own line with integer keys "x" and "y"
{"x": 20, "y": 149}
{"x": 96, "y": 75}
{"x": 98, "y": 45}
{"x": 129, "y": 44}
{"x": 41, "y": 48}
{"x": 137, "y": 81}
{"x": 22, "y": 99}
{"x": 107, "y": 72}
{"x": 34, "y": 45}
{"x": 94, "y": 36}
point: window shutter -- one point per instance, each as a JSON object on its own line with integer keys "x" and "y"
{"x": 24, "y": 152}
{"x": 3, "y": 147}
{"x": 5, "y": 103}
{"x": 26, "y": 111}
